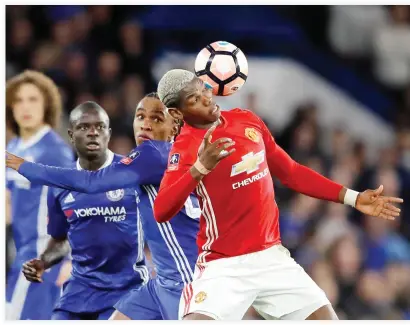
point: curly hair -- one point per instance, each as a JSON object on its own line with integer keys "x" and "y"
{"x": 52, "y": 97}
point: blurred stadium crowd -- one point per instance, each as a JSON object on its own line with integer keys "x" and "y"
{"x": 363, "y": 264}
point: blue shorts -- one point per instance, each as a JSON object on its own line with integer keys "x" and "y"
{"x": 28, "y": 300}
{"x": 80, "y": 299}
{"x": 66, "y": 315}
{"x": 152, "y": 301}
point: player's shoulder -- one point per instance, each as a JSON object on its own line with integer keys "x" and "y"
{"x": 12, "y": 144}
{"x": 52, "y": 140}
{"x": 239, "y": 113}
{"x": 150, "y": 149}
{"x": 117, "y": 158}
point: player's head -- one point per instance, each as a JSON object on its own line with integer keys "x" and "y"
{"x": 188, "y": 97}
{"x": 152, "y": 121}
{"x": 89, "y": 130}
{"x": 32, "y": 100}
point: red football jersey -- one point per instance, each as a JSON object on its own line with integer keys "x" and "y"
{"x": 239, "y": 212}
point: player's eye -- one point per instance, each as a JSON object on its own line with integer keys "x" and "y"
{"x": 157, "y": 120}
{"x": 101, "y": 127}
{"x": 140, "y": 117}
{"x": 83, "y": 128}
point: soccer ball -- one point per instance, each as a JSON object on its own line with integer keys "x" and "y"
{"x": 223, "y": 66}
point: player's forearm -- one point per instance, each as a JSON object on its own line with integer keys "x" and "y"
{"x": 171, "y": 199}
{"x": 72, "y": 179}
{"x": 64, "y": 178}
{"x": 306, "y": 181}
{"x": 56, "y": 251}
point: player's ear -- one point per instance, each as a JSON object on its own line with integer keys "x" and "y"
{"x": 70, "y": 135}
{"x": 109, "y": 133}
{"x": 175, "y": 113}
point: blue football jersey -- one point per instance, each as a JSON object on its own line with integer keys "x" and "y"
{"x": 104, "y": 232}
{"x": 172, "y": 244}
{"x": 29, "y": 200}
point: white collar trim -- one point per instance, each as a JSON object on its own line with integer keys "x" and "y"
{"x": 35, "y": 138}
{"x": 108, "y": 162}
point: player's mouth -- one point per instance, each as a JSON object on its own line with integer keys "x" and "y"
{"x": 26, "y": 117}
{"x": 144, "y": 136}
{"x": 93, "y": 145}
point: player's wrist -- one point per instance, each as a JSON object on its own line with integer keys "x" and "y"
{"x": 43, "y": 261}
{"x": 201, "y": 168}
{"x": 196, "y": 174}
{"x": 350, "y": 197}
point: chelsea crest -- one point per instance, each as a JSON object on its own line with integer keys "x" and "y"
{"x": 115, "y": 195}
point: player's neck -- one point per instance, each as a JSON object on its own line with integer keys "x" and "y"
{"x": 93, "y": 164}
{"x": 206, "y": 126}
{"x": 27, "y": 133}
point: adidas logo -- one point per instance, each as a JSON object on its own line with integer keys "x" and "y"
{"x": 69, "y": 198}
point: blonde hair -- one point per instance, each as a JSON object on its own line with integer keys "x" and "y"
{"x": 171, "y": 84}
{"x": 52, "y": 98}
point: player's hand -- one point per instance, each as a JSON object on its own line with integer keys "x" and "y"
{"x": 33, "y": 270}
{"x": 13, "y": 161}
{"x": 372, "y": 203}
{"x": 211, "y": 153}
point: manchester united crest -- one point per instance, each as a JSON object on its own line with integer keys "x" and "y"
{"x": 252, "y": 134}
{"x": 201, "y": 296}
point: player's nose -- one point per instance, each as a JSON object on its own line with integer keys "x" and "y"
{"x": 93, "y": 132}
{"x": 146, "y": 125}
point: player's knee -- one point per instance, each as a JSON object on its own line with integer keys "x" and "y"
{"x": 323, "y": 313}
{"x": 197, "y": 316}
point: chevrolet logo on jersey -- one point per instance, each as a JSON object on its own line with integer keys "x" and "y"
{"x": 250, "y": 163}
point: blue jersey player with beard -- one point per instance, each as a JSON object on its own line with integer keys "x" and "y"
{"x": 103, "y": 230}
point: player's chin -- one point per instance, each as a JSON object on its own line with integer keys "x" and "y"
{"x": 213, "y": 116}
{"x": 94, "y": 153}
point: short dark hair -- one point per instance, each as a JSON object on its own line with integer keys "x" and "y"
{"x": 152, "y": 95}
{"x": 84, "y": 107}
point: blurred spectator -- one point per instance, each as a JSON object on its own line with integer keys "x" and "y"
{"x": 294, "y": 220}
{"x": 83, "y": 97}
{"x": 109, "y": 68}
{"x": 20, "y": 43}
{"x": 47, "y": 58}
{"x": 131, "y": 93}
{"x": 392, "y": 49}
{"x": 351, "y": 29}
{"x": 403, "y": 144}
{"x": 110, "y": 102}
{"x": 251, "y": 103}
{"x": 121, "y": 144}
{"x": 63, "y": 33}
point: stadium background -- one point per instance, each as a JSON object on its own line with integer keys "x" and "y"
{"x": 331, "y": 82}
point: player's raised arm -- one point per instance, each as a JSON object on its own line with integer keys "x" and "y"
{"x": 306, "y": 181}
{"x": 182, "y": 177}
{"x": 144, "y": 165}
